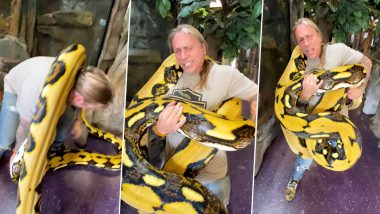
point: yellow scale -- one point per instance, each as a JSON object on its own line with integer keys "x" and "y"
{"x": 315, "y": 128}
{"x": 43, "y": 130}
{"x": 143, "y": 194}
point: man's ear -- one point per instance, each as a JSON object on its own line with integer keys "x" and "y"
{"x": 78, "y": 99}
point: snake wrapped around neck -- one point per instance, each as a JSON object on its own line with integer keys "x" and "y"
{"x": 323, "y": 134}
{"x": 152, "y": 190}
{"x": 33, "y": 159}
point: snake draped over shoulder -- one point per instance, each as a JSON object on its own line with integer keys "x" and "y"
{"x": 173, "y": 189}
{"x": 323, "y": 134}
{"x": 33, "y": 159}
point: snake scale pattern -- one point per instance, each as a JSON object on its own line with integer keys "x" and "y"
{"x": 143, "y": 186}
{"x": 312, "y": 135}
{"x": 152, "y": 190}
{"x": 50, "y": 107}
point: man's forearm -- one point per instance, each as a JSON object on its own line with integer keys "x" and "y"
{"x": 367, "y": 64}
{"x": 22, "y": 132}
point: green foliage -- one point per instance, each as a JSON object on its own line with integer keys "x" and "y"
{"x": 163, "y": 7}
{"x": 241, "y": 30}
{"x": 236, "y": 25}
{"x": 347, "y": 16}
{"x": 350, "y": 17}
{"x": 190, "y": 6}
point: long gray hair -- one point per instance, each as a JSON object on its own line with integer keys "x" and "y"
{"x": 188, "y": 29}
{"x": 312, "y": 24}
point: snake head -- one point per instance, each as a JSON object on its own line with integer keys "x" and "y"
{"x": 327, "y": 84}
{"x": 358, "y": 75}
{"x": 327, "y": 77}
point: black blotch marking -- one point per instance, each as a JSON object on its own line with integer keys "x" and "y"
{"x": 40, "y": 111}
{"x": 57, "y": 70}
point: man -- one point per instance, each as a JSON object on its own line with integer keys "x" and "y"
{"x": 322, "y": 56}
{"x": 201, "y": 84}
{"x": 22, "y": 87}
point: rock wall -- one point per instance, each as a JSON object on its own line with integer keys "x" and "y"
{"x": 61, "y": 23}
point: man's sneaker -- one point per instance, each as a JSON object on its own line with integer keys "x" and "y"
{"x": 291, "y": 188}
{"x": 16, "y": 164}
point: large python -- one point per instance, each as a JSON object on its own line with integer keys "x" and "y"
{"x": 312, "y": 135}
{"x": 154, "y": 191}
{"x": 33, "y": 157}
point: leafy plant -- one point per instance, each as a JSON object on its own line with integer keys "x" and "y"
{"x": 163, "y": 7}
{"x": 236, "y": 24}
{"x": 350, "y": 17}
{"x": 347, "y": 16}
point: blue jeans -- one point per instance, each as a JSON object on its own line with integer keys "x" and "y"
{"x": 64, "y": 126}
{"x": 300, "y": 167}
{"x": 65, "y": 123}
{"x": 221, "y": 188}
{"x": 9, "y": 120}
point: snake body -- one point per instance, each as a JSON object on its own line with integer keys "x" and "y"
{"x": 74, "y": 157}
{"x": 151, "y": 190}
{"x": 310, "y": 134}
{"x": 33, "y": 154}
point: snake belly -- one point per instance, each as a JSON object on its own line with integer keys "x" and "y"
{"x": 50, "y": 107}
{"x": 155, "y": 191}
{"x": 310, "y": 135}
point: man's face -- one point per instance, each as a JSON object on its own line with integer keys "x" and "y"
{"x": 189, "y": 52}
{"x": 309, "y": 40}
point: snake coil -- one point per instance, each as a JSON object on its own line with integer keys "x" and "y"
{"x": 155, "y": 191}
{"x": 32, "y": 158}
{"x": 313, "y": 135}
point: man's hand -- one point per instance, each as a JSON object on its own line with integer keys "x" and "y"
{"x": 310, "y": 86}
{"x": 76, "y": 130}
{"x": 253, "y": 110}
{"x": 170, "y": 119}
{"x": 354, "y": 93}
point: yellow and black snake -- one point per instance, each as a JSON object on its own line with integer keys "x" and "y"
{"x": 310, "y": 134}
{"x": 82, "y": 157}
{"x": 34, "y": 161}
{"x": 151, "y": 190}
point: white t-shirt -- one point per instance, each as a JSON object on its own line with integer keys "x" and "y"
{"x": 223, "y": 82}
{"x": 26, "y": 81}
{"x": 336, "y": 55}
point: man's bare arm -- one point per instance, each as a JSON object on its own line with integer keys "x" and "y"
{"x": 367, "y": 64}
{"x": 22, "y": 132}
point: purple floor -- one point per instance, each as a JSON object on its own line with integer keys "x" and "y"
{"x": 8, "y": 189}
{"x": 320, "y": 190}
{"x": 240, "y": 165}
{"x": 75, "y": 189}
